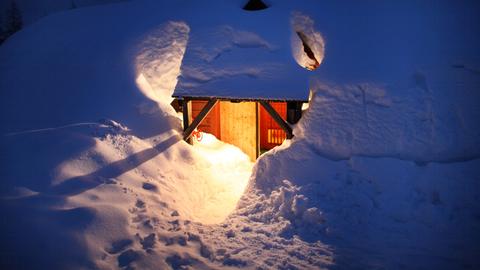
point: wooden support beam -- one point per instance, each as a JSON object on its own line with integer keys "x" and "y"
{"x": 284, "y": 125}
{"x": 257, "y": 130}
{"x": 198, "y": 120}
{"x": 187, "y": 115}
{"x": 294, "y": 111}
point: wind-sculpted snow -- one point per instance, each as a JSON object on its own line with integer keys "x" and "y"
{"x": 158, "y": 61}
{"x": 244, "y": 56}
{"x": 384, "y": 207}
{"x": 304, "y": 35}
{"x": 226, "y": 38}
{"x": 33, "y": 10}
{"x": 412, "y": 123}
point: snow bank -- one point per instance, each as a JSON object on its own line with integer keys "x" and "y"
{"x": 384, "y": 207}
{"x": 33, "y": 10}
{"x": 422, "y": 122}
{"x": 98, "y": 175}
{"x": 158, "y": 62}
{"x": 398, "y": 80}
{"x": 385, "y": 109}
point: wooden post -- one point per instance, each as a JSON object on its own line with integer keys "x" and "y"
{"x": 294, "y": 111}
{"x": 187, "y": 115}
{"x": 257, "y": 129}
{"x": 198, "y": 120}
{"x": 284, "y": 125}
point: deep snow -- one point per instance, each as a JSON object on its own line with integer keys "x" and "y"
{"x": 245, "y": 56}
{"x": 383, "y": 171}
{"x": 33, "y": 10}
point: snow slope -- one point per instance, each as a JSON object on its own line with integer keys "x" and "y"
{"x": 371, "y": 213}
{"x": 33, "y": 10}
{"x": 382, "y": 172}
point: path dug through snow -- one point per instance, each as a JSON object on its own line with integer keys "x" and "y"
{"x": 227, "y": 172}
{"x": 210, "y": 177}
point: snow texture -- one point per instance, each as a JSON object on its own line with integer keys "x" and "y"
{"x": 245, "y": 55}
{"x": 33, "y": 10}
{"x": 383, "y": 171}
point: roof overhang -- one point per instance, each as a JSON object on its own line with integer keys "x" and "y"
{"x": 237, "y": 99}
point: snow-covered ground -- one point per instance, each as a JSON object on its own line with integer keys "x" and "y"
{"x": 33, "y": 10}
{"x": 383, "y": 171}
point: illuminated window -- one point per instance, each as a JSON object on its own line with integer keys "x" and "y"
{"x": 275, "y": 136}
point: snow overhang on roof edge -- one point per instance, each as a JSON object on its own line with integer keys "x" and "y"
{"x": 236, "y": 98}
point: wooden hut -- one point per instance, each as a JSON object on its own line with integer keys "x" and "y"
{"x": 240, "y": 82}
{"x": 254, "y": 126}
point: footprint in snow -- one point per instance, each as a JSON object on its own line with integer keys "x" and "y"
{"x": 230, "y": 234}
{"x": 127, "y": 257}
{"x": 148, "y": 224}
{"x": 148, "y": 242}
{"x": 178, "y": 239}
{"x": 109, "y": 181}
{"x": 149, "y": 186}
{"x": 177, "y": 262}
{"x": 140, "y": 204}
{"x": 193, "y": 237}
{"x": 229, "y": 261}
{"x": 119, "y": 245}
{"x": 206, "y": 251}
{"x": 175, "y": 225}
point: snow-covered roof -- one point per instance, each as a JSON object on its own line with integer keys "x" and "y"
{"x": 243, "y": 55}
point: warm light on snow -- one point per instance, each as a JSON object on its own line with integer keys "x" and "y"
{"x": 158, "y": 60}
{"x": 230, "y": 170}
{"x": 222, "y": 171}
{"x": 308, "y": 46}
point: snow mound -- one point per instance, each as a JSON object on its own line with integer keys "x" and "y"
{"x": 379, "y": 206}
{"x": 244, "y": 55}
{"x": 415, "y": 123}
{"x": 158, "y": 61}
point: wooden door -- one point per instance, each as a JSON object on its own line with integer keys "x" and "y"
{"x": 271, "y": 134}
{"x": 239, "y": 126}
